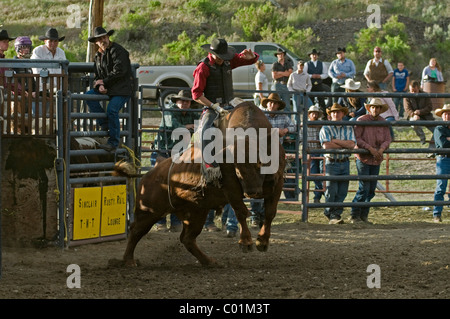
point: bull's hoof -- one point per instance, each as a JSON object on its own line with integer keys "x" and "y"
{"x": 246, "y": 248}
{"x": 261, "y": 246}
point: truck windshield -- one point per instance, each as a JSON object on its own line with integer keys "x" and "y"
{"x": 267, "y": 52}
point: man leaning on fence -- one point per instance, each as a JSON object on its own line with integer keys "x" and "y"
{"x": 113, "y": 77}
{"x": 442, "y": 140}
{"x": 335, "y": 137}
{"x": 375, "y": 139}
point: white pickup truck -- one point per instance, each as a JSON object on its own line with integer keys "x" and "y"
{"x": 182, "y": 76}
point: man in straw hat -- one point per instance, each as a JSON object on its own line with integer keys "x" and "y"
{"x": 334, "y": 137}
{"x": 213, "y": 88}
{"x": 113, "y": 77}
{"x": 375, "y": 139}
{"x": 442, "y": 140}
{"x": 340, "y": 70}
{"x": 315, "y": 163}
{"x": 50, "y": 50}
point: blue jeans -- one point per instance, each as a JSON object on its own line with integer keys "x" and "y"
{"x": 112, "y": 115}
{"x": 336, "y": 190}
{"x": 398, "y": 101}
{"x": 284, "y": 93}
{"x": 229, "y": 218}
{"x": 391, "y": 119}
{"x": 366, "y": 190}
{"x": 442, "y": 167}
{"x": 257, "y": 210}
{"x": 316, "y": 167}
{"x": 298, "y": 100}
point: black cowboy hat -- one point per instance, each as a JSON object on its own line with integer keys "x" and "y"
{"x": 51, "y": 34}
{"x": 220, "y": 48}
{"x": 184, "y": 95}
{"x": 314, "y": 51}
{"x": 98, "y": 33}
{"x": 340, "y": 50}
{"x": 4, "y": 36}
{"x": 279, "y": 50}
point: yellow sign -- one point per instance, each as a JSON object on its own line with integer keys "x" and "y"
{"x": 114, "y": 210}
{"x": 86, "y": 215}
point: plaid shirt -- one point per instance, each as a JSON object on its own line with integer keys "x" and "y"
{"x": 312, "y": 136}
{"x": 339, "y": 132}
{"x": 281, "y": 121}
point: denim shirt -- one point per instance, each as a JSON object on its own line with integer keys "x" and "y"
{"x": 337, "y": 67}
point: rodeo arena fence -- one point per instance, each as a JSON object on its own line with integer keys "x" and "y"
{"x": 93, "y": 205}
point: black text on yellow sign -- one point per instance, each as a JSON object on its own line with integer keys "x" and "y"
{"x": 99, "y": 211}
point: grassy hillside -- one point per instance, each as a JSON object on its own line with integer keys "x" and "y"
{"x": 153, "y": 30}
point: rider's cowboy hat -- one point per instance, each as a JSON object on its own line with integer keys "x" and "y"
{"x": 220, "y": 48}
{"x": 4, "y": 36}
{"x": 184, "y": 95}
{"x": 445, "y": 108}
{"x": 337, "y": 107}
{"x": 379, "y": 102}
{"x": 51, "y": 34}
{"x": 98, "y": 33}
{"x": 273, "y": 97}
{"x": 351, "y": 84}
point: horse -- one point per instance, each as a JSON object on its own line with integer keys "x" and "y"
{"x": 175, "y": 187}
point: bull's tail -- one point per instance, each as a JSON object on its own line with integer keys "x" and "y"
{"x": 126, "y": 169}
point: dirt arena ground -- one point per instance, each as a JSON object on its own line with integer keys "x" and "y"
{"x": 311, "y": 260}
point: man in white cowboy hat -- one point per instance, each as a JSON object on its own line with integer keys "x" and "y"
{"x": 378, "y": 69}
{"x": 49, "y": 51}
{"x": 213, "y": 88}
{"x": 335, "y": 137}
{"x": 375, "y": 139}
{"x": 340, "y": 70}
{"x": 281, "y": 70}
{"x": 318, "y": 72}
{"x": 114, "y": 78}
{"x": 442, "y": 140}
{"x": 315, "y": 163}
{"x": 355, "y": 105}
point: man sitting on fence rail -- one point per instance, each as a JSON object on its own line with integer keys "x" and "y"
{"x": 113, "y": 77}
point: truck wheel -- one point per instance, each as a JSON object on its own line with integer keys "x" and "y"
{"x": 164, "y": 98}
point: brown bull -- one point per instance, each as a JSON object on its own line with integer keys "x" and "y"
{"x": 175, "y": 187}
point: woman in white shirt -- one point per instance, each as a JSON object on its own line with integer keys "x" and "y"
{"x": 261, "y": 82}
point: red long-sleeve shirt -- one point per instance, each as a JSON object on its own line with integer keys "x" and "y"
{"x": 201, "y": 73}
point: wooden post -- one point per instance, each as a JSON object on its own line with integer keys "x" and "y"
{"x": 95, "y": 20}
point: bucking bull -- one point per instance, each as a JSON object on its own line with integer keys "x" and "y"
{"x": 175, "y": 185}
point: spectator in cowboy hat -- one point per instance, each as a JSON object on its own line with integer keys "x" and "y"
{"x": 336, "y": 137}
{"x": 281, "y": 70}
{"x": 285, "y": 125}
{"x": 113, "y": 77}
{"x": 318, "y": 72}
{"x": 4, "y": 44}
{"x": 49, "y": 51}
{"x": 375, "y": 139}
{"x": 354, "y": 104}
{"x": 340, "y": 70}
{"x": 442, "y": 140}
{"x": 315, "y": 163}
